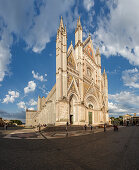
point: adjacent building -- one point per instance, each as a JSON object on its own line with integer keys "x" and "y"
{"x": 131, "y": 119}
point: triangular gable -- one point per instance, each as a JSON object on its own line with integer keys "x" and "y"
{"x": 73, "y": 87}
{"x": 91, "y": 90}
{"x": 89, "y": 49}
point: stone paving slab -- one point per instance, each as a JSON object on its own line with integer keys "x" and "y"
{"x": 24, "y": 134}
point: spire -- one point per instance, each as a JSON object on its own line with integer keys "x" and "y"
{"x": 79, "y": 22}
{"x": 97, "y": 51}
{"x": 65, "y": 29}
{"x": 104, "y": 73}
{"x": 61, "y": 23}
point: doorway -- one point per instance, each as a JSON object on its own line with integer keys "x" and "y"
{"x": 71, "y": 119}
{"x": 90, "y": 118}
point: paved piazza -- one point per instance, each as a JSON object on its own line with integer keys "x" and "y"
{"x": 88, "y": 150}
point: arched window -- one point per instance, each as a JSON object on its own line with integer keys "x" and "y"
{"x": 90, "y": 106}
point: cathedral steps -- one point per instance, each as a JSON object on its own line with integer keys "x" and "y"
{"x": 64, "y": 128}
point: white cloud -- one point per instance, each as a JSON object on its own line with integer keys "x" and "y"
{"x": 15, "y": 17}
{"x": 44, "y": 89}
{"x": 118, "y": 32}
{"x": 11, "y": 96}
{"x": 31, "y": 108}
{"x": 88, "y": 4}
{"x": 39, "y": 77}
{"x": 115, "y": 108}
{"x": 5, "y": 56}
{"x": 123, "y": 102}
{"x": 131, "y": 78}
{"x": 31, "y": 87}
{"x": 35, "y": 27}
{"x": 42, "y": 30}
{"x": 21, "y": 105}
{"x": 32, "y": 102}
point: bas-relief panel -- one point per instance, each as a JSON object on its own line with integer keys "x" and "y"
{"x": 63, "y": 110}
{"x": 95, "y": 116}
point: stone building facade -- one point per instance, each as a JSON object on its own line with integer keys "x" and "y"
{"x": 80, "y": 95}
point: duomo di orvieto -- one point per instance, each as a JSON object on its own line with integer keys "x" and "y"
{"x": 80, "y": 95}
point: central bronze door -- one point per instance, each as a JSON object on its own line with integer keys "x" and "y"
{"x": 90, "y": 117}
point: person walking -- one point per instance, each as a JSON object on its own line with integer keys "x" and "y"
{"x": 104, "y": 127}
{"x": 91, "y": 127}
{"x": 85, "y": 127}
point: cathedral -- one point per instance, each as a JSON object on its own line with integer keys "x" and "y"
{"x": 80, "y": 95}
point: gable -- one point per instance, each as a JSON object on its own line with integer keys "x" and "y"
{"x": 89, "y": 49}
{"x": 71, "y": 61}
{"x": 73, "y": 86}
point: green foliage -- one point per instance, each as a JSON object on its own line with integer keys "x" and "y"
{"x": 18, "y": 122}
{"x": 117, "y": 120}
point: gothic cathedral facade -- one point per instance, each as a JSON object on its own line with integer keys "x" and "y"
{"x": 80, "y": 95}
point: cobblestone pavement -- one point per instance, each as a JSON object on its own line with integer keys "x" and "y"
{"x": 108, "y": 151}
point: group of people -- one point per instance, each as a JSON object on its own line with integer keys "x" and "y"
{"x": 91, "y": 127}
{"x": 40, "y": 125}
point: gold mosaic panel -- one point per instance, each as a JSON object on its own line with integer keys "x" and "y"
{"x": 69, "y": 80}
{"x": 86, "y": 86}
{"x": 71, "y": 61}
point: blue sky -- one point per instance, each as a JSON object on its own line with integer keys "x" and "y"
{"x": 27, "y": 49}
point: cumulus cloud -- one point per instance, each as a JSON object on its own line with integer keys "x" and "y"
{"x": 31, "y": 108}
{"x": 11, "y": 96}
{"x": 31, "y": 87}
{"x": 115, "y": 108}
{"x": 131, "y": 78}
{"x": 123, "y": 102}
{"x": 32, "y": 102}
{"x": 50, "y": 10}
{"x": 5, "y": 55}
{"x": 33, "y": 21}
{"x": 39, "y": 77}
{"x": 21, "y": 105}
{"x": 15, "y": 18}
{"x": 118, "y": 31}
{"x": 88, "y": 4}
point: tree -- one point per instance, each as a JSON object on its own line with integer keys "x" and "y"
{"x": 18, "y": 122}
